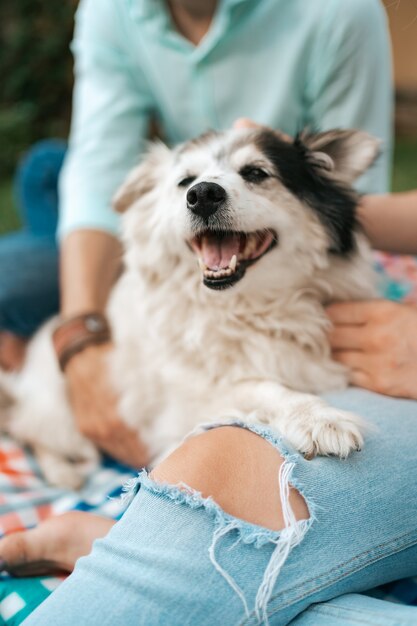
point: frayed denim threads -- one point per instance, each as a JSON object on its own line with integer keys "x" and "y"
{"x": 285, "y": 540}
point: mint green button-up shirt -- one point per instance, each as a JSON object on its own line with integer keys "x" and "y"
{"x": 288, "y": 64}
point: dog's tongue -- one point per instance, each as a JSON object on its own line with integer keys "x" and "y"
{"x": 217, "y": 252}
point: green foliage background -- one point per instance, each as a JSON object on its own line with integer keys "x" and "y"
{"x": 35, "y": 74}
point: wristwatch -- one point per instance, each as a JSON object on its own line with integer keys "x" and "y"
{"x": 77, "y": 333}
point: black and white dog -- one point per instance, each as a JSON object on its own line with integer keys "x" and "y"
{"x": 234, "y": 243}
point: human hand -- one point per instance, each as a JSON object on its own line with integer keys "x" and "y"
{"x": 245, "y": 122}
{"x": 377, "y": 340}
{"x": 12, "y": 351}
{"x": 53, "y": 546}
{"x": 94, "y": 403}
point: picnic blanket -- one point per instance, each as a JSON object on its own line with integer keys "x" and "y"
{"x": 26, "y": 500}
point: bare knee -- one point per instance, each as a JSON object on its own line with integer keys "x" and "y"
{"x": 238, "y": 469}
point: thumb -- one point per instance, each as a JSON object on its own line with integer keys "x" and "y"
{"x": 20, "y": 548}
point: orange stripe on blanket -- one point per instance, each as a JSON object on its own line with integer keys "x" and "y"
{"x": 9, "y": 466}
{"x": 11, "y": 522}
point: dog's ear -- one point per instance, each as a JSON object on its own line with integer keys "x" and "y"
{"x": 346, "y": 153}
{"x": 137, "y": 183}
{"x": 143, "y": 178}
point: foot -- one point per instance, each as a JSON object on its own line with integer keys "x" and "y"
{"x": 12, "y": 351}
{"x": 314, "y": 428}
{"x": 54, "y": 546}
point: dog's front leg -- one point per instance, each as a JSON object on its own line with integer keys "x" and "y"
{"x": 305, "y": 420}
{"x": 60, "y": 471}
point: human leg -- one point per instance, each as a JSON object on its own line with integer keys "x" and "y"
{"x": 354, "y": 609}
{"x": 29, "y": 292}
{"x": 176, "y": 558}
{"x": 36, "y": 187}
{"x": 29, "y": 259}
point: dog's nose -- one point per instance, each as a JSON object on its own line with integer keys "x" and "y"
{"x": 205, "y": 198}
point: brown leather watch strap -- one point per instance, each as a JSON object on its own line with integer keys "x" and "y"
{"x": 77, "y": 333}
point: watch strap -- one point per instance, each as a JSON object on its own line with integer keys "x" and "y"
{"x": 77, "y": 333}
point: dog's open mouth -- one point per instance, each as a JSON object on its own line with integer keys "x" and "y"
{"x": 224, "y": 256}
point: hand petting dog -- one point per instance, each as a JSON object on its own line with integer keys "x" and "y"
{"x": 377, "y": 340}
{"x": 94, "y": 403}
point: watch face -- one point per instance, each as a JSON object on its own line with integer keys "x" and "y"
{"x": 94, "y": 324}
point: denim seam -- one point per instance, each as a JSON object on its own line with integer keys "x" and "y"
{"x": 353, "y": 617}
{"x": 400, "y": 546}
{"x": 329, "y": 608}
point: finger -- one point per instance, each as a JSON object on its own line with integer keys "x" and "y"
{"x": 360, "y": 367}
{"x": 350, "y": 313}
{"x": 21, "y": 549}
{"x": 347, "y": 337}
{"x": 354, "y": 359}
{"x": 360, "y": 378}
{"x": 245, "y": 122}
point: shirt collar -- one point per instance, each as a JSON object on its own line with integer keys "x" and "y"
{"x": 147, "y": 8}
{"x": 156, "y": 17}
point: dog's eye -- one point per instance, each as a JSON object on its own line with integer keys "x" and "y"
{"x": 186, "y": 181}
{"x": 253, "y": 174}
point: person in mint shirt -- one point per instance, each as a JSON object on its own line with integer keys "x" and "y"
{"x": 190, "y": 65}
{"x": 288, "y": 65}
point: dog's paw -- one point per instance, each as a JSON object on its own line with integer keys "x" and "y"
{"x": 319, "y": 429}
{"x": 65, "y": 477}
{"x": 65, "y": 473}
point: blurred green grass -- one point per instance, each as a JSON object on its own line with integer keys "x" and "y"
{"x": 404, "y": 178}
{"x": 9, "y": 219}
{"x": 405, "y": 165}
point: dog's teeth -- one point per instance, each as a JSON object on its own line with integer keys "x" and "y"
{"x": 202, "y": 265}
{"x": 220, "y": 273}
{"x": 233, "y": 263}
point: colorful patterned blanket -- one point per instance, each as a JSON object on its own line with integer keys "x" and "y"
{"x": 25, "y": 499}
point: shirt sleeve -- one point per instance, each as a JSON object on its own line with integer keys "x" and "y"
{"x": 111, "y": 110}
{"x": 351, "y": 84}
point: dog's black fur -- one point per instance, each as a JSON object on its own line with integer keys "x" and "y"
{"x": 334, "y": 204}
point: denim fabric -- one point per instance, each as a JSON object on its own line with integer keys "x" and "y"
{"x": 29, "y": 291}
{"x": 176, "y": 559}
{"x": 36, "y": 187}
{"x": 355, "y": 609}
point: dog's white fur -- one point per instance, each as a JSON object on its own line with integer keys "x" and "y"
{"x": 184, "y": 354}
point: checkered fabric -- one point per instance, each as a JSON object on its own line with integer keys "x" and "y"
{"x": 26, "y": 500}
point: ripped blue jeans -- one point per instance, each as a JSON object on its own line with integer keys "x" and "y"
{"x": 176, "y": 559}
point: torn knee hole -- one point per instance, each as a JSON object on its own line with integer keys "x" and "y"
{"x": 244, "y": 474}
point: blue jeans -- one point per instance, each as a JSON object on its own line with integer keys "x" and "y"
{"x": 29, "y": 291}
{"x": 175, "y": 559}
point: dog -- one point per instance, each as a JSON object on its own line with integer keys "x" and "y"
{"x": 234, "y": 243}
